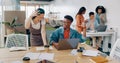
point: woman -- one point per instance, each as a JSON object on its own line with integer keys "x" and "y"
{"x": 80, "y": 24}
{"x": 101, "y": 15}
{"x": 36, "y": 23}
{"x": 101, "y": 18}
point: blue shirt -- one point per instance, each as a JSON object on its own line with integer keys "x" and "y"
{"x": 59, "y": 34}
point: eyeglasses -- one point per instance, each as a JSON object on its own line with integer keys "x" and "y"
{"x": 66, "y": 22}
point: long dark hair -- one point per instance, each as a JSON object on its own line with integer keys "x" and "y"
{"x": 81, "y": 10}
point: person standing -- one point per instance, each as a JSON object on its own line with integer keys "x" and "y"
{"x": 36, "y": 24}
{"x": 101, "y": 15}
{"x": 101, "y": 18}
{"x": 80, "y": 22}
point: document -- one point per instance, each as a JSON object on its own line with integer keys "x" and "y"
{"x": 32, "y": 56}
{"x": 90, "y": 53}
{"x": 41, "y": 56}
{"x": 42, "y": 48}
{"x": 46, "y": 56}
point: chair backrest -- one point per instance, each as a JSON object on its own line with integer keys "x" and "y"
{"x": 115, "y": 52}
{"x": 17, "y": 40}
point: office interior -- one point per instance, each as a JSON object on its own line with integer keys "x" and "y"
{"x": 56, "y": 10}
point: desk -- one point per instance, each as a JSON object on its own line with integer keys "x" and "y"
{"x": 108, "y": 36}
{"x": 62, "y": 56}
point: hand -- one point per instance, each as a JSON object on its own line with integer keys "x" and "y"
{"x": 83, "y": 24}
{"x": 33, "y": 14}
{"x": 55, "y": 45}
{"x": 86, "y": 20}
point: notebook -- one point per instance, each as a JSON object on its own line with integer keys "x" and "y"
{"x": 68, "y": 44}
{"x": 98, "y": 59}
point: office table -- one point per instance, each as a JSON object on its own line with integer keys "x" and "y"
{"x": 110, "y": 37}
{"x": 62, "y": 56}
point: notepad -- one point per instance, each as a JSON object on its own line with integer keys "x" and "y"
{"x": 90, "y": 53}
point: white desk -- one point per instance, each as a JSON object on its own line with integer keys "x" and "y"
{"x": 108, "y": 36}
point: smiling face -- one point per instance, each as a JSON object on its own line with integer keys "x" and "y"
{"x": 66, "y": 23}
{"x": 41, "y": 16}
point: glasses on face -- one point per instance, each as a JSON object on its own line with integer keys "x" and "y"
{"x": 66, "y": 22}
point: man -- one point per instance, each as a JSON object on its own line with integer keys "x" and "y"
{"x": 65, "y": 32}
{"x": 92, "y": 24}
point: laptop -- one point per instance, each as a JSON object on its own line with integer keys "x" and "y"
{"x": 101, "y": 28}
{"x": 65, "y": 44}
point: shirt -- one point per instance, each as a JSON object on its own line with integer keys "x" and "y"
{"x": 66, "y": 34}
{"x": 37, "y": 26}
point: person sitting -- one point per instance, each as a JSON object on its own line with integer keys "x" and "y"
{"x": 91, "y": 25}
{"x": 65, "y": 32}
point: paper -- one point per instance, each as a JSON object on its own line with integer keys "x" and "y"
{"x": 32, "y": 55}
{"x": 18, "y": 48}
{"x": 47, "y": 56}
{"x": 42, "y": 48}
{"x": 90, "y": 53}
{"x": 39, "y": 48}
{"x": 74, "y": 52}
{"x": 17, "y": 62}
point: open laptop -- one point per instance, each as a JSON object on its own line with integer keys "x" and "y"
{"x": 67, "y": 44}
{"x": 101, "y": 28}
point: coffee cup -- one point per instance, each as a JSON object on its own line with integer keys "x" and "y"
{"x": 26, "y": 60}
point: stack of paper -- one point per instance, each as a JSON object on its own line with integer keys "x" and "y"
{"x": 90, "y": 53}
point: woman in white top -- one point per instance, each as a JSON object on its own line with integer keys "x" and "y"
{"x": 36, "y": 23}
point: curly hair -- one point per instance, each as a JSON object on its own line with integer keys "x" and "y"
{"x": 102, "y": 8}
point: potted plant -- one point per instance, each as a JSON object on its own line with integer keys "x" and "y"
{"x": 11, "y": 26}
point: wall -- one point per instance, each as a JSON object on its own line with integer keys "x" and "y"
{"x": 112, "y": 12}
{"x": 71, "y": 7}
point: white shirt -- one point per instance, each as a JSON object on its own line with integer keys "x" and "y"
{"x": 37, "y": 26}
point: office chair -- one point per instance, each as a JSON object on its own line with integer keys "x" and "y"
{"x": 17, "y": 40}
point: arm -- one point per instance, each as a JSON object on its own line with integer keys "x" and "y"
{"x": 27, "y": 23}
{"x": 84, "y": 31}
{"x": 43, "y": 32}
{"x": 28, "y": 20}
{"x": 81, "y": 37}
{"x": 54, "y": 37}
{"x": 103, "y": 18}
